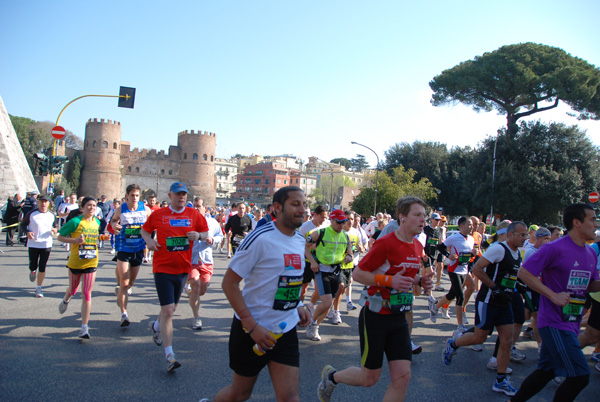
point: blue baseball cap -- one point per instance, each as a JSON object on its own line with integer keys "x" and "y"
{"x": 178, "y": 187}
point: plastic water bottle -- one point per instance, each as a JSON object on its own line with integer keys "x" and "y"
{"x": 364, "y": 296}
{"x": 376, "y": 302}
{"x": 276, "y": 332}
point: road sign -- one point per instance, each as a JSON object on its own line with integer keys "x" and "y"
{"x": 594, "y": 196}
{"x": 58, "y": 132}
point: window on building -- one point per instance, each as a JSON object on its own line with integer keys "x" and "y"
{"x": 94, "y": 144}
{"x": 257, "y": 189}
{"x": 137, "y": 169}
{"x": 249, "y": 171}
{"x": 204, "y": 157}
{"x": 256, "y": 181}
{"x": 129, "y": 168}
{"x": 114, "y": 145}
{"x": 285, "y": 182}
{"x": 170, "y": 172}
{"x": 278, "y": 181}
{"x": 195, "y": 156}
{"x": 211, "y": 158}
{"x": 259, "y": 172}
{"x": 162, "y": 171}
{"x": 266, "y": 181}
{"x": 104, "y": 144}
{"x": 185, "y": 156}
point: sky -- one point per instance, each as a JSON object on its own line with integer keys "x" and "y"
{"x": 274, "y": 77}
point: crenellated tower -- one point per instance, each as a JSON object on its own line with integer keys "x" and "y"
{"x": 101, "y": 173}
{"x": 197, "y": 166}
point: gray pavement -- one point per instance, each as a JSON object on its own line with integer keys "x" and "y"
{"x": 43, "y": 360}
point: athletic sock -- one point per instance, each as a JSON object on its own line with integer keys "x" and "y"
{"x": 453, "y": 345}
{"x": 156, "y": 326}
{"x": 168, "y": 351}
{"x": 331, "y": 377}
{"x": 500, "y": 377}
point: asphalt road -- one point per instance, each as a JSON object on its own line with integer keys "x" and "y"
{"x": 43, "y": 360}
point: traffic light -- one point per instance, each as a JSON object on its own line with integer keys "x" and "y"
{"x": 126, "y": 97}
{"x": 57, "y": 165}
{"x": 43, "y": 166}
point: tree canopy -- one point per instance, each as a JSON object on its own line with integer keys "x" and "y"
{"x": 342, "y": 161}
{"x": 520, "y": 80}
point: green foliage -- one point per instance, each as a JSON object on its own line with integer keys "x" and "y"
{"x": 62, "y": 184}
{"x": 74, "y": 172}
{"x": 519, "y": 80}
{"x": 391, "y": 187}
{"x": 359, "y": 163}
{"x": 342, "y": 161}
{"x": 32, "y": 137}
{"x": 328, "y": 191}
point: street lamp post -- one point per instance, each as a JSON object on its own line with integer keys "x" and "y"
{"x": 376, "y": 175}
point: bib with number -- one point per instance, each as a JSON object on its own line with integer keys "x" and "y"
{"x": 178, "y": 243}
{"x": 433, "y": 241}
{"x": 237, "y": 239}
{"x": 87, "y": 251}
{"x": 509, "y": 281}
{"x": 401, "y": 302}
{"x": 287, "y": 296}
{"x": 574, "y": 309}
{"x": 464, "y": 258}
{"x": 133, "y": 232}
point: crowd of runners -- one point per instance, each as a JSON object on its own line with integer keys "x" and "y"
{"x": 290, "y": 268}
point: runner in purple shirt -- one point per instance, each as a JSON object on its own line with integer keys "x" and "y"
{"x": 568, "y": 272}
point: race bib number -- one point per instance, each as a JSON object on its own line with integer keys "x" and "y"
{"x": 178, "y": 243}
{"x": 432, "y": 241}
{"x": 509, "y": 281}
{"x": 574, "y": 309}
{"x": 464, "y": 258}
{"x": 287, "y": 296}
{"x": 133, "y": 232}
{"x": 401, "y": 302}
{"x": 87, "y": 251}
{"x": 237, "y": 239}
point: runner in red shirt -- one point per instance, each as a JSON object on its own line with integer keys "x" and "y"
{"x": 390, "y": 270}
{"x": 177, "y": 228}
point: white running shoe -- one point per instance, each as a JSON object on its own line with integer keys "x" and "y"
{"x": 312, "y": 332}
{"x": 326, "y": 386}
{"x": 433, "y": 311}
{"x": 155, "y": 334}
{"x": 84, "y": 332}
{"x": 38, "y": 292}
{"x": 172, "y": 363}
{"x": 337, "y": 318}
{"x": 465, "y": 319}
{"x": 445, "y": 313}
{"x": 197, "y": 324}
{"x": 477, "y": 348}
{"x": 32, "y": 275}
{"x": 516, "y": 355}
{"x": 330, "y": 314}
{"x": 62, "y": 307}
{"x": 493, "y": 365}
{"x": 416, "y": 349}
{"x": 124, "y": 320}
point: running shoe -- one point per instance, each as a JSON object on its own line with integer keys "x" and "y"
{"x": 461, "y": 328}
{"x": 337, "y": 318}
{"x": 117, "y": 290}
{"x": 62, "y": 307}
{"x": 330, "y": 314}
{"x": 124, "y": 320}
{"x": 312, "y": 332}
{"x": 516, "y": 355}
{"x": 112, "y": 251}
{"x": 32, "y": 275}
{"x": 457, "y": 333}
{"x": 597, "y": 367}
{"x": 465, "y": 319}
{"x": 172, "y": 363}
{"x": 416, "y": 349}
{"x": 228, "y": 255}
{"x": 197, "y": 325}
{"x": 493, "y": 365}
{"x": 445, "y": 313}
{"x": 448, "y": 352}
{"x": 84, "y": 332}
{"x": 129, "y": 292}
{"x": 477, "y": 348}
{"x": 326, "y": 386}
{"x": 504, "y": 386}
{"x": 528, "y": 333}
{"x": 38, "y": 292}
{"x": 433, "y": 311}
{"x": 145, "y": 260}
{"x": 595, "y": 356}
{"x": 558, "y": 380}
{"x": 155, "y": 334}
{"x": 439, "y": 288}
{"x": 350, "y": 306}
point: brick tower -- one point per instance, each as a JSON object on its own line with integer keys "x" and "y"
{"x": 101, "y": 174}
{"x": 197, "y": 166}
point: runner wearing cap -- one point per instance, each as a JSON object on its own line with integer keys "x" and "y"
{"x": 176, "y": 227}
{"x": 39, "y": 225}
{"x": 332, "y": 248}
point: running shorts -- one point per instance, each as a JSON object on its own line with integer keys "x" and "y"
{"x": 383, "y": 333}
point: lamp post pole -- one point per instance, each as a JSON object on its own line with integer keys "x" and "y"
{"x": 376, "y": 175}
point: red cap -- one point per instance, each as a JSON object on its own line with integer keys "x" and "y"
{"x": 338, "y": 215}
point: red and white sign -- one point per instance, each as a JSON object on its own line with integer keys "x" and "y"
{"x": 58, "y": 132}
{"x": 594, "y": 196}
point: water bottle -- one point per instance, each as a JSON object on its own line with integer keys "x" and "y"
{"x": 276, "y": 332}
{"x": 376, "y": 302}
{"x": 364, "y": 296}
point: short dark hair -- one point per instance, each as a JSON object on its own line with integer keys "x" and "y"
{"x": 513, "y": 226}
{"x": 552, "y": 228}
{"x": 319, "y": 209}
{"x": 462, "y": 220}
{"x": 283, "y": 194}
{"x": 575, "y": 211}
{"x": 132, "y": 187}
